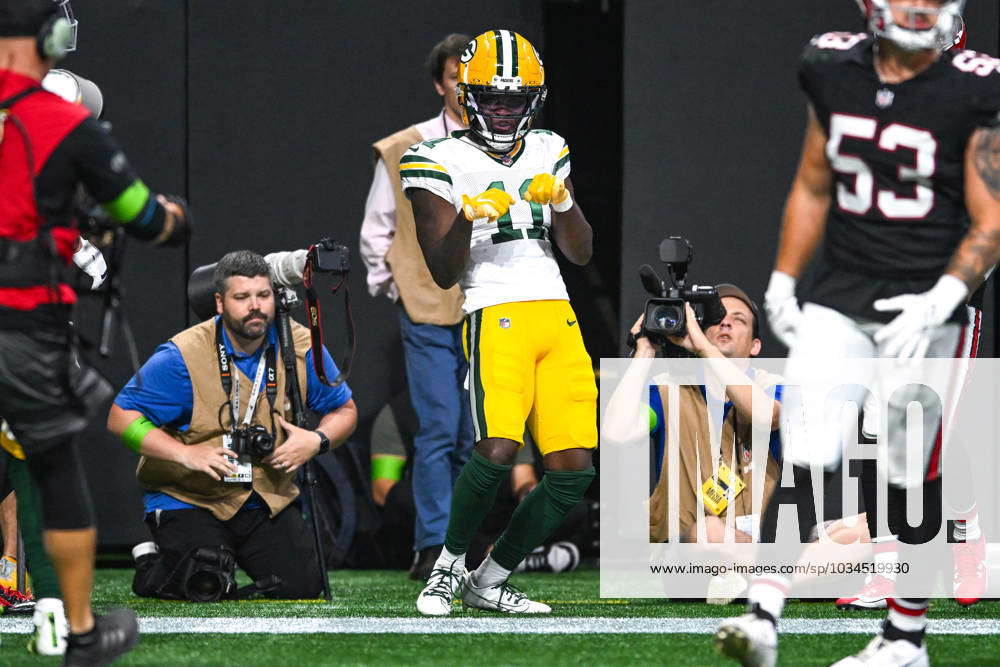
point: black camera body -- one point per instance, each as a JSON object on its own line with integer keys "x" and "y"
{"x": 253, "y": 441}
{"x": 207, "y": 574}
{"x": 328, "y": 256}
{"x": 665, "y": 314}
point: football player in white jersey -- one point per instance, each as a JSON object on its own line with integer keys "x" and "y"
{"x": 489, "y": 203}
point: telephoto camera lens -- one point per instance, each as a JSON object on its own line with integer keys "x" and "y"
{"x": 204, "y": 586}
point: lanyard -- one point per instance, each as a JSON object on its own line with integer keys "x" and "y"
{"x": 231, "y": 381}
{"x": 254, "y": 394}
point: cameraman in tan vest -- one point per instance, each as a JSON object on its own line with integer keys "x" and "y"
{"x": 208, "y": 413}
{"x": 430, "y": 319}
{"x": 735, "y": 338}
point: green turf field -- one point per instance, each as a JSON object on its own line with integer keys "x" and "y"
{"x": 376, "y": 603}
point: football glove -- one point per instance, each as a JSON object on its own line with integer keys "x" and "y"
{"x": 549, "y": 189}
{"x": 92, "y": 262}
{"x": 782, "y": 308}
{"x": 909, "y": 334}
{"x": 491, "y": 204}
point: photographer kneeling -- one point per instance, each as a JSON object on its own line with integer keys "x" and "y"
{"x": 205, "y": 411}
{"x": 734, "y": 339}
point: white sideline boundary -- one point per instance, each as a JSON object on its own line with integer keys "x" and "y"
{"x": 543, "y": 626}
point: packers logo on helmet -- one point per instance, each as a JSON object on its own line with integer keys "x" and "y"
{"x": 501, "y": 87}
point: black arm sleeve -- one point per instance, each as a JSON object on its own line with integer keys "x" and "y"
{"x": 105, "y": 171}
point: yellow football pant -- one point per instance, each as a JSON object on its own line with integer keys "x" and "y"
{"x": 527, "y": 363}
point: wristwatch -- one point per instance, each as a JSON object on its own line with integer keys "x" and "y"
{"x": 324, "y": 443}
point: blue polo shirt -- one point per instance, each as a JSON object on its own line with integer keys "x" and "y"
{"x": 162, "y": 391}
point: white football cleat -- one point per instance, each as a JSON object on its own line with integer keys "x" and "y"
{"x": 748, "y": 639}
{"x": 873, "y": 594}
{"x": 724, "y": 588}
{"x": 882, "y": 652}
{"x": 443, "y": 586}
{"x": 502, "y": 597}
{"x": 51, "y": 629}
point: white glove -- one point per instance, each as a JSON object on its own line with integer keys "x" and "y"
{"x": 91, "y": 261}
{"x": 909, "y": 334}
{"x": 287, "y": 266}
{"x": 782, "y": 308}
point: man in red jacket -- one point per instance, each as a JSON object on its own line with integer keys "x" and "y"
{"x": 47, "y": 148}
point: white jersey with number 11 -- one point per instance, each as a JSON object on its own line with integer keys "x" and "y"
{"x": 510, "y": 259}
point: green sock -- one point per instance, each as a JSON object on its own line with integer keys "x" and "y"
{"x": 540, "y": 513}
{"x": 44, "y": 583}
{"x": 474, "y": 494}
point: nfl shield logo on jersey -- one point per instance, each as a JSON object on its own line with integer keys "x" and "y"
{"x": 504, "y": 323}
{"x": 884, "y": 98}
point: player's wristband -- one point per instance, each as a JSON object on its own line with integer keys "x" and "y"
{"x": 388, "y": 467}
{"x": 564, "y": 205}
{"x": 135, "y": 432}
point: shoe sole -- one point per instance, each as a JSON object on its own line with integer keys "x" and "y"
{"x": 430, "y": 613}
{"x": 466, "y": 606}
{"x": 732, "y": 642}
{"x": 493, "y": 607}
{"x": 862, "y": 606}
{"x": 427, "y": 613}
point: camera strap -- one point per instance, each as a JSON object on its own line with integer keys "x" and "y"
{"x": 231, "y": 380}
{"x": 316, "y": 325}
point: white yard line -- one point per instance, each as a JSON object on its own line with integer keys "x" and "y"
{"x": 519, "y": 625}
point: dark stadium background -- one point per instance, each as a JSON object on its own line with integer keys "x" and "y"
{"x": 683, "y": 117}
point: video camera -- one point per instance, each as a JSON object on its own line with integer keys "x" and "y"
{"x": 664, "y": 314}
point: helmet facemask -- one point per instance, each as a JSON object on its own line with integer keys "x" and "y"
{"x": 944, "y": 25}
{"x": 497, "y": 116}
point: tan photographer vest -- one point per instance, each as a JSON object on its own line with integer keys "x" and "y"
{"x": 694, "y": 437}
{"x": 423, "y": 300}
{"x": 224, "y": 499}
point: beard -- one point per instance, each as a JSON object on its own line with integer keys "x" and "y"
{"x": 252, "y": 327}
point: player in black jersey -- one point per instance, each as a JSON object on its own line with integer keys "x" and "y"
{"x": 969, "y": 547}
{"x": 900, "y": 178}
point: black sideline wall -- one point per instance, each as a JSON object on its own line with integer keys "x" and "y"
{"x": 713, "y": 123}
{"x": 262, "y": 114}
